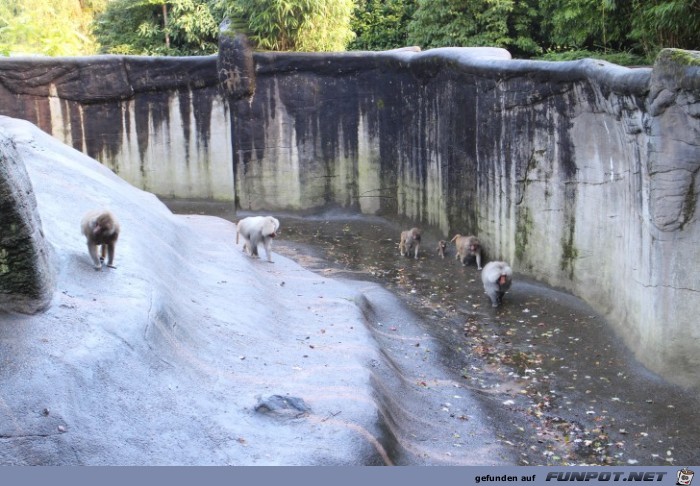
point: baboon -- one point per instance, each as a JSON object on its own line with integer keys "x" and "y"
{"x": 255, "y": 230}
{"x": 410, "y": 240}
{"x": 441, "y": 248}
{"x": 101, "y": 228}
{"x": 468, "y": 247}
{"x": 497, "y": 277}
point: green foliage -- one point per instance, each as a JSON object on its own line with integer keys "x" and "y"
{"x": 157, "y": 27}
{"x": 524, "y": 23}
{"x": 328, "y": 28}
{"x": 586, "y": 24}
{"x": 501, "y": 23}
{"x": 634, "y": 29}
{"x": 625, "y": 32}
{"x": 292, "y": 25}
{"x": 615, "y": 57}
{"x": 381, "y": 24}
{"x": 48, "y": 28}
{"x": 438, "y": 23}
{"x": 671, "y": 23}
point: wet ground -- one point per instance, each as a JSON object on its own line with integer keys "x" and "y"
{"x": 563, "y": 387}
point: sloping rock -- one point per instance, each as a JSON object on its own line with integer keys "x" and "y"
{"x": 161, "y": 360}
{"x": 27, "y": 277}
{"x": 164, "y": 360}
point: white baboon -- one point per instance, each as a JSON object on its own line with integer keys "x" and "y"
{"x": 467, "y": 247}
{"x": 101, "y": 228}
{"x": 497, "y": 277}
{"x": 410, "y": 240}
{"x": 255, "y": 230}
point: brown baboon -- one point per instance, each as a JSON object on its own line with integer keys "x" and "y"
{"x": 410, "y": 240}
{"x": 468, "y": 247}
{"x": 101, "y": 228}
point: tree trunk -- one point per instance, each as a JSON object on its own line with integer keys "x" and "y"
{"x": 165, "y": 25}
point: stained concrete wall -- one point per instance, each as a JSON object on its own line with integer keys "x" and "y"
{"x": 581, "y": 174}
{"x": 160, "y": 123}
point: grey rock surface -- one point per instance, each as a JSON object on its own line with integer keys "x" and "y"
{"x": 165, "y": 359}
{"x": 27, "y": 273}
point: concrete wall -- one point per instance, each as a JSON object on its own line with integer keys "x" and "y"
{"x": 581, "y": 174}
{"x": 160, "y": 123}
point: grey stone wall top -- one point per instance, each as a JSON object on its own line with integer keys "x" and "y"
{"x": 102, "y": 78}
{"x": 480, "y": 61}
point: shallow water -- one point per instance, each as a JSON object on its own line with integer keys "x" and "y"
{"x": 561, "y": 385}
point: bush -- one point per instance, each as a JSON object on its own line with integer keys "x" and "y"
{"x": 615, "y": 57}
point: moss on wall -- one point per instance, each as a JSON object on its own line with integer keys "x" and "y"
{"x": 569, "y": 252}
{"x": 523, "y": 230}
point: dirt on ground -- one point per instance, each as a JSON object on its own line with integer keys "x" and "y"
{"x": 563, "y": 386}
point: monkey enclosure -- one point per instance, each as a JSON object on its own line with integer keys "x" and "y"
{"x": 581, "y": 174}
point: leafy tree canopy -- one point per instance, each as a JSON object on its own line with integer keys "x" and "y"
{"x": 157, "y": 27}
{"x": 501, "y": 23}
{"x": 671, "y": 23}
{"x": 48, "y": 28}
{"x": 586, "y": 24}
{"x": 381, "y": 24}
{"x": 292, "y": 25}
{"x": 556, "y": 29}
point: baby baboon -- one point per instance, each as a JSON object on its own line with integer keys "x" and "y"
{"x": 410, "y": 240}
{"x": 101, "y": 228}
{"x": 441, "y": 248}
